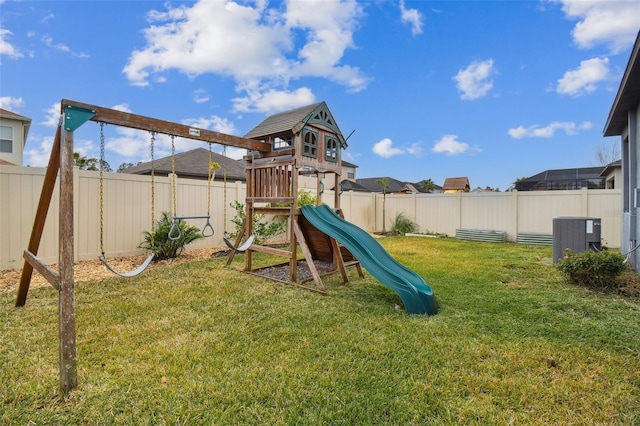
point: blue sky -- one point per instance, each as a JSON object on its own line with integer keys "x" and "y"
{"x": 491, "y": 90}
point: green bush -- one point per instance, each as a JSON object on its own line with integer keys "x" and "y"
{"x": 262, "y": 229}
{"x": 305, "y": 198}
{"x": 592, "y": 269}
{"x": 160, "y": 243}
{"x": 402, "y": 225}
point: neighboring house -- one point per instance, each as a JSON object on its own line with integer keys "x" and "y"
{"x": 564, "y": 179}
{"x": 348, "y": 171}
{"x": 14, "y": 130}
{"x": 456, "y": 184}
{"x": 624, "y": 121}
{"x": 349, "y": 185}
{"x": 194, "y": 164}
{"x": 612, "y": 174}
{"x": 395, "y": 186}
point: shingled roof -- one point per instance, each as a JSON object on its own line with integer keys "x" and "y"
{"x": 295, "y": 119}
{"x": 456, "y": 184}
{"x": 194, "y": 164}
{"x": 628, "y": 95}
{"x": 8, "y": 114}
{"x": 395, "y": 186}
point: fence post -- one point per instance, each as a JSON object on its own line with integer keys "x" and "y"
{"x": 515, "y": 221}
{"x": 584, "y": 202}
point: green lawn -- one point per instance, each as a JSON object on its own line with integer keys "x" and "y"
{"x": 199, "y": 343}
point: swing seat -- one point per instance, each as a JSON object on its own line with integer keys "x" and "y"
{"x": 243, "y": 247}
{"x": 133, "y": 273}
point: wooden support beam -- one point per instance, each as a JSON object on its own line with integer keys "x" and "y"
{"x": 66, "y": 305}
{"x": 307, "y": 255}
{"x": 271, "y": 250}
{"x": 338, "y": 261}
{"x": 49, "y": 274}
{"x": 134, "y": 121}
{"x": 41, "y": 216}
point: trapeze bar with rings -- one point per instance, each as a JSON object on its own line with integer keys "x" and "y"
{"x": 175, "y": 232}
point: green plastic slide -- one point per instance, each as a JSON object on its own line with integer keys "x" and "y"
{"x": 415, "y": 293}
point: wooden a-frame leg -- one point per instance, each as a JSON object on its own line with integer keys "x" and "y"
{"x": 41, "y": 215}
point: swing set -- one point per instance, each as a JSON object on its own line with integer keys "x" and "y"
{"x": 72, "y": 116}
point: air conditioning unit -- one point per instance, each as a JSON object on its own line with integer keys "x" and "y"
{"x": 576, "y": 233}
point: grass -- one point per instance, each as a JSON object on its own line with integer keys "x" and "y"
{"x": 199, "y": 343}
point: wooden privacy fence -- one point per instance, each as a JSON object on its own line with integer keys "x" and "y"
{"x": 127, "y": 211}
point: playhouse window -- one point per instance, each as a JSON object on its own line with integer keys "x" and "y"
{"x": 6, "y": 139}
{"x": 282, "y": 141}
{"x": 331, "y": 149}
{"x": 309, "y": 143}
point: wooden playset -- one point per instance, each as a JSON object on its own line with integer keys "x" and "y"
{"x": 305, "y": 141}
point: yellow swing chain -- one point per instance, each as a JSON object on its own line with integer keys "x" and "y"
{"x": 153, "y": 190}
{"x": 225, "y": 202}
{"x": 211, "y": 176}
{"x": 102, "y": 188}
{"x": 173, "y": 175}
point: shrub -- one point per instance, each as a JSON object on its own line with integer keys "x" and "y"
{"x": 159, "y": 243}
{"x": 305, "y": 198}
{"x": 403, "y": 225}
{"x": 262, "y": 229}
{"x": 592, "y": 269}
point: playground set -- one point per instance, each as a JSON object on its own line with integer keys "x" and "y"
{"x": 304, "y": 141}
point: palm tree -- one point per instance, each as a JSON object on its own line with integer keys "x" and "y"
{"x": 384, "y": 184}
{"x": 427, "y": 185}
{"x": 84, "y": 163}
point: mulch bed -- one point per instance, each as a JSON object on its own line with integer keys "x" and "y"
{"x": 303, "y": 273}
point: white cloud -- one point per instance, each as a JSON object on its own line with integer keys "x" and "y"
{"x": 412, "y": 17}
{"x": 257, "y": 46}
{"x": 416, "y": 149}
{"x": 272, "y": 101}
{"x": 201, "y": 96}
{"x": 48, "y": 41}
{"x": 385, "y": 149}
{"x": 11, "y": 103}
{"x": 449, "y": 144}
{"x": 39, "y": 157}
{"x": 122, "y": 108}
{"x": 52, "y": 118}
{"x": 474, "y": 81}
{"x": 613, "y": 23}
{"x": 7, "y": 48}
{"x": 535, "y": 131}
{"x": 585, "y": 78}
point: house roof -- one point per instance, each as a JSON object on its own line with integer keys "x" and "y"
{"x": 566, "y": 174}
{"x": 294, "y": 120}
{"x": 628, "y": 96}
{"x": 611, "y": 167}
{"x": 395, "y": 185}
{"x": 12, "y": 115}
{"x": 456, "y": 183}
{"x": 349, "y": 185}
{"x": 194, "y": 164}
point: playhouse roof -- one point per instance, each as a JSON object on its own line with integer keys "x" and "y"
{"x": 294, "y": 120}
